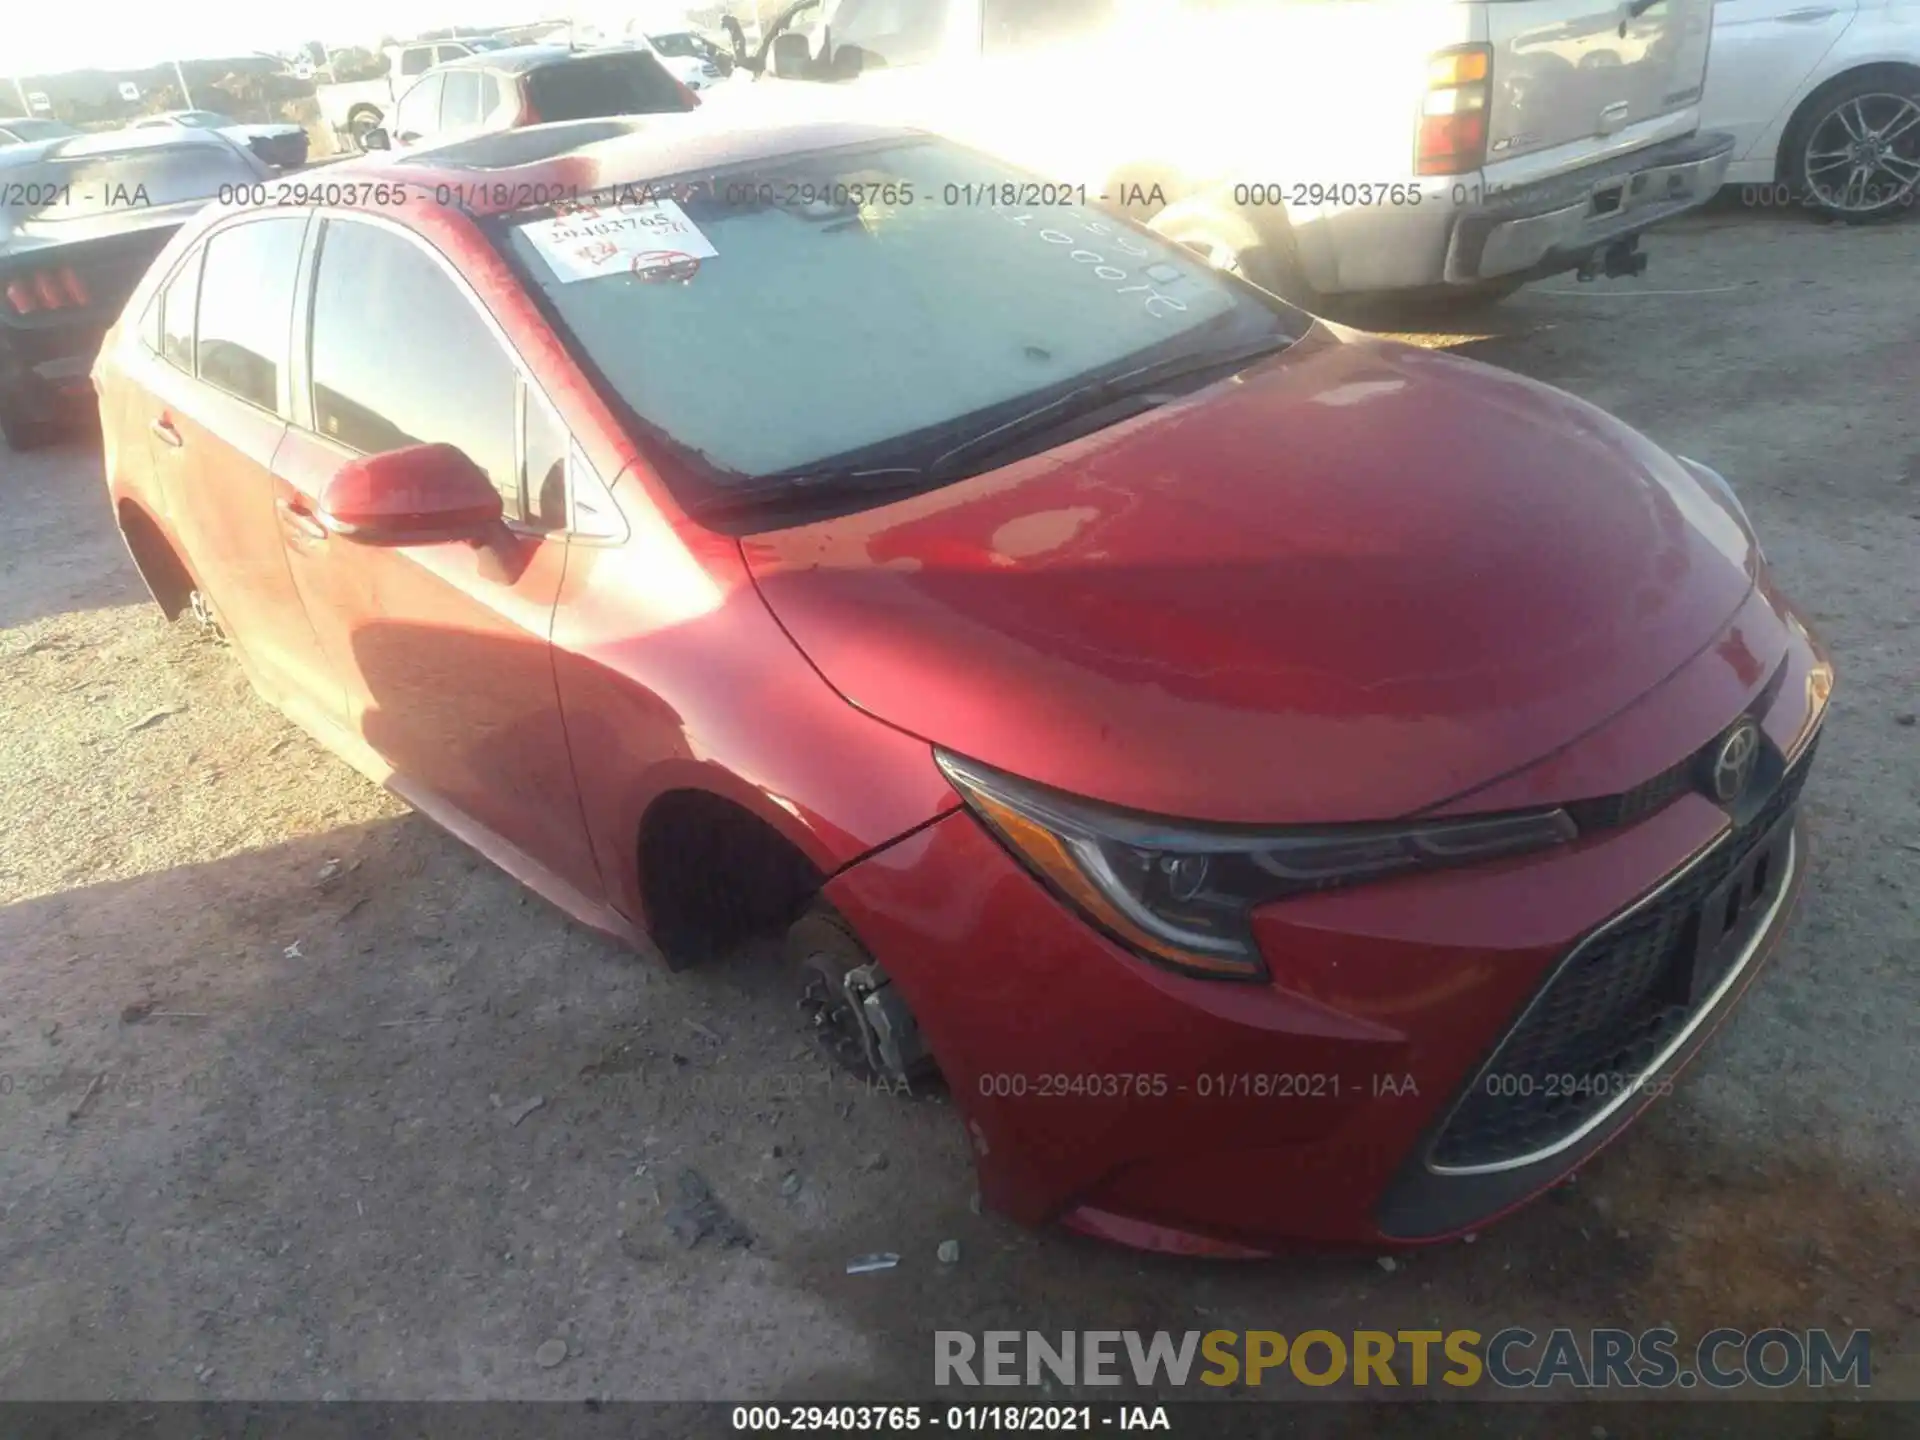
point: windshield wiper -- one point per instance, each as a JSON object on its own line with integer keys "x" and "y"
{"x": 805, "y": 484}
{"x": 1097, "y": 395}
{"x": 810, "y": 483}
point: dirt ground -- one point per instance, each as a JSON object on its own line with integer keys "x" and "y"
{"x": 271, "y": 1045}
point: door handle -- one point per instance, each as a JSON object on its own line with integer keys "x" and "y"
{"x": 164, "y": 432}
{"x": 300, "y": 521}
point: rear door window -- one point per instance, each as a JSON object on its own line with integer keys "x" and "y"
{"x": 492, "y": 97}
{"x": 246, "y": 308}
{"x": 594, "y": 87}
{"x": 401, "y": 357}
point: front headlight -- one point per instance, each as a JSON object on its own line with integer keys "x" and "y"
{"x": 1184, "y": 894}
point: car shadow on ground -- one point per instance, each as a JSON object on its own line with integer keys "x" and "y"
{"x": 354, "y": 1113}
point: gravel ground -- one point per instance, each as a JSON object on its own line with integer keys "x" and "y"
{"x": 298, "y": 1098}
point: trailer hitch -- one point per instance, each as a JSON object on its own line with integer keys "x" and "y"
{"x": 1622, "y": 257}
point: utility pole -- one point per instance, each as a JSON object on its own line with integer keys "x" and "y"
{"x": 186, "y": 95}
{"x": 20, "y": 89}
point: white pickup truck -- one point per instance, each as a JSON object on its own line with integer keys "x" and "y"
{"x": 354, "y": 107}
{"x": 1445, "y": 150}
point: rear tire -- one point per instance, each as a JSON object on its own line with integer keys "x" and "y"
{"x": 359, "y": 122}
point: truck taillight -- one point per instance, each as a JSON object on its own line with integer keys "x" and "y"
{"x": 1453, "y": 117}
{"x": 61, "y": 289}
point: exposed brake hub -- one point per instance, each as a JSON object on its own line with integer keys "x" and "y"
{"x": 887, "y": 1027}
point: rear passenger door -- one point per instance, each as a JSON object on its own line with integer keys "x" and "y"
{"x": 220, "y": 392}
{"x": 444, "y": 646}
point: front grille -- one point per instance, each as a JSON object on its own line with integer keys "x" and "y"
{"x": 1610, "y": 812}
{"x": 1603, "y": 1017}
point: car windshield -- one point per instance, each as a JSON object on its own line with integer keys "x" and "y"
{"x": 83, "y": 187}
{"x": 681, "y": 44}
{"x": 872, "y": 303}
{"x": 592, "y": 87}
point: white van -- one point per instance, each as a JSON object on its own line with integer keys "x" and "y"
{"x": 1449, "y": 149}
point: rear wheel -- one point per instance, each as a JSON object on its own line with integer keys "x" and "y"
{"x": 1856, "y": 154}
{"x": 359, "y": 123}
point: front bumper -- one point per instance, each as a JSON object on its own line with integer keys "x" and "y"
{"x": 1212, "y": 1117}
{"x": 1555, "y": 225}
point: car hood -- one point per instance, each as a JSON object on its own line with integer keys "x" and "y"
{"x": 1349, "y": 584}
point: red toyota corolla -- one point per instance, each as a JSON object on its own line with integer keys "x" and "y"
{"x": 1292, "y": 786}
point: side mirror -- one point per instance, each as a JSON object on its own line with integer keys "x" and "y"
{"x": 376, "y": 139}
{"x": 422, "y": 495}
{"x": 790, "y": 57}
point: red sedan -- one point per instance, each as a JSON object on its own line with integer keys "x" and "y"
{"x": 1292, "y": 786}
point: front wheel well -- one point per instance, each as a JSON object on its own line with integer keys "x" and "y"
{"x": 165, "y": 574}
{"x": 1893, "y": 70}
{"x": 714, "y": 875}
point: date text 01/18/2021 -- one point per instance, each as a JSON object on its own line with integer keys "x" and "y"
{"x": 961, "y": 1419}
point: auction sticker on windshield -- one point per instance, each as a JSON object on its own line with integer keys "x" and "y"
{"x": 617, "y": 239}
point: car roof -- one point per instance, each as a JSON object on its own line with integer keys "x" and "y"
{"x": 572, "y": 157}
{"x": 114, "y": 142}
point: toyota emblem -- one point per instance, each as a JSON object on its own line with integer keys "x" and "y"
{"x": 1733, "y": 762}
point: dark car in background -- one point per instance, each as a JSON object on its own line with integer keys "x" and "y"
{"x": 80, "y": 221}
{"x": 281, "y": 145}
{"x": 25, "y": 130}
{"x": 529, "y": 85}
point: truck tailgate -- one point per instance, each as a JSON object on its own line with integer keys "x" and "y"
{"x": 1568, "y": 71}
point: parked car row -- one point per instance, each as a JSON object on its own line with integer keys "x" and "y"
{"x": 81, "y": 218}
{"x": 528, "y": 85}
{"x": 764, "y": 552}
{"x": 281, "y": 145}
{"x": 1453, "y": 154}
{"x": 355, "y": 108}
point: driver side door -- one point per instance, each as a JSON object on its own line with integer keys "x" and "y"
{"x": 443, "y": 646}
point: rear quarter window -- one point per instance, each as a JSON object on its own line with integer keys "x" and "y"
{"x": 594, "y": 87}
